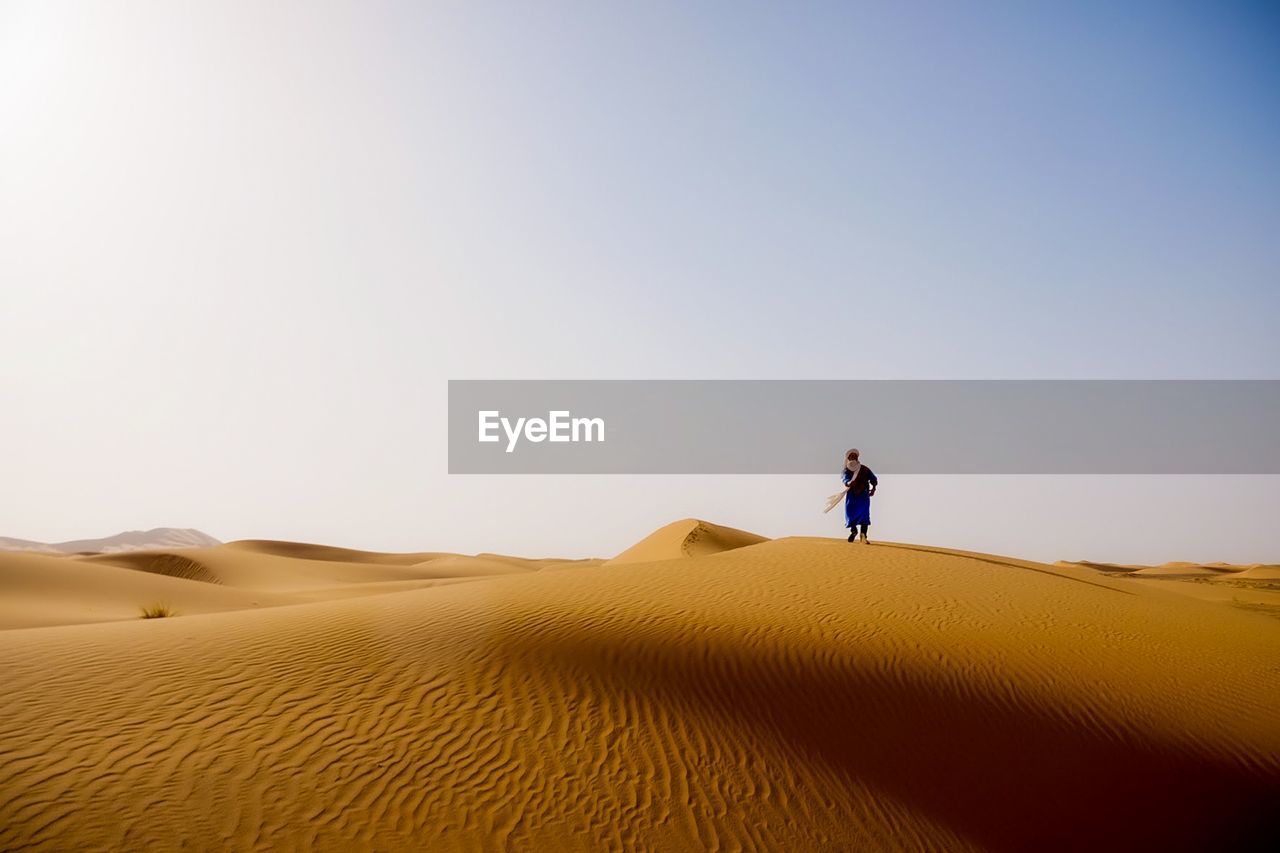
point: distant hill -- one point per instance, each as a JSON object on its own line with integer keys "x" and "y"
{"x": 131, "y": 540}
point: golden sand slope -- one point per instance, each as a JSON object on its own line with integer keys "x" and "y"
{"x": 800, "y": 694}
{"x": 1261, "y": 572}
{"x": 38, "y": 590}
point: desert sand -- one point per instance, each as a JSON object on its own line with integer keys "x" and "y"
{"x": 706, "y": 689}
{"x": 1255, "y": 586}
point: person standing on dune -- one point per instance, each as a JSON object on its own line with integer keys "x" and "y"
{"x": 860, "y": 482}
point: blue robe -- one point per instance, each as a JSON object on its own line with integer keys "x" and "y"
{"x": 857, "y": 501}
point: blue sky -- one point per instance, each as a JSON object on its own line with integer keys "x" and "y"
{"x": 1093, "y": 191}
{"x": 249, "y": 243}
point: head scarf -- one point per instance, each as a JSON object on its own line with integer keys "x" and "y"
{"x": 852, "y": 465}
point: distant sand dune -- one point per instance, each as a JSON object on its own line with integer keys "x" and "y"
{"x": 328, "y": 553}
{"x": 1253, "y": 587}
{"x": 45, "y": 589}
{"x": 688, "y": 537}
{"x": 38, "y": 590}
{"x": 797, "y": 694}
{"x": 455, "y": 565}
{"x": 1174, "y": 569}
{"x": 1260, "y": 572}
{"x": 1113, "y": 568}
{"x": 1182, "y": 570}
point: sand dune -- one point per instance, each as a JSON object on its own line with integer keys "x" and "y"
{"x": 1253, "y": 586}
{"x": 41, "y": 589}
{"x": 327, "y": 553}
{"x": 1174, "y": 569}
{"x": 38, "y": 590}
{"x": 455, "y": 565}
{"x": 1260, "y": 572}
{"x": 1183, "y": 570}
{"x": 688, "y": 537}
{"x": 796, "y": 694}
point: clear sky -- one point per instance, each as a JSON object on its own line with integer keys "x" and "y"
{"x": 244, "y": 245}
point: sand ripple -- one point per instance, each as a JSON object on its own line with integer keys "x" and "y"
{"x": 802, "y": 694}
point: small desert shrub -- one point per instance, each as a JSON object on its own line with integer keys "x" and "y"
{"x": 157, "y": 611}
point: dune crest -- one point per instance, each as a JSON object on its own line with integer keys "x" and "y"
{"x": 1261, "y": 572}
{"x": 328, "y": 553}
{"x": 171, "y": 564}
{"x": 688, "y": 537}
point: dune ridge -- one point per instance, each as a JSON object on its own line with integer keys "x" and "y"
{"x": 174, "y": 565}
{"x": 327, "y": 553}
{"x": 1253, "y": 587}
{"x": 1179, "y": 569}
{"x": 1260, "y": 572}
{"x": 799, "y": 694}
{"x": 47, "y": 589}
{"x": 688, "y": 537}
